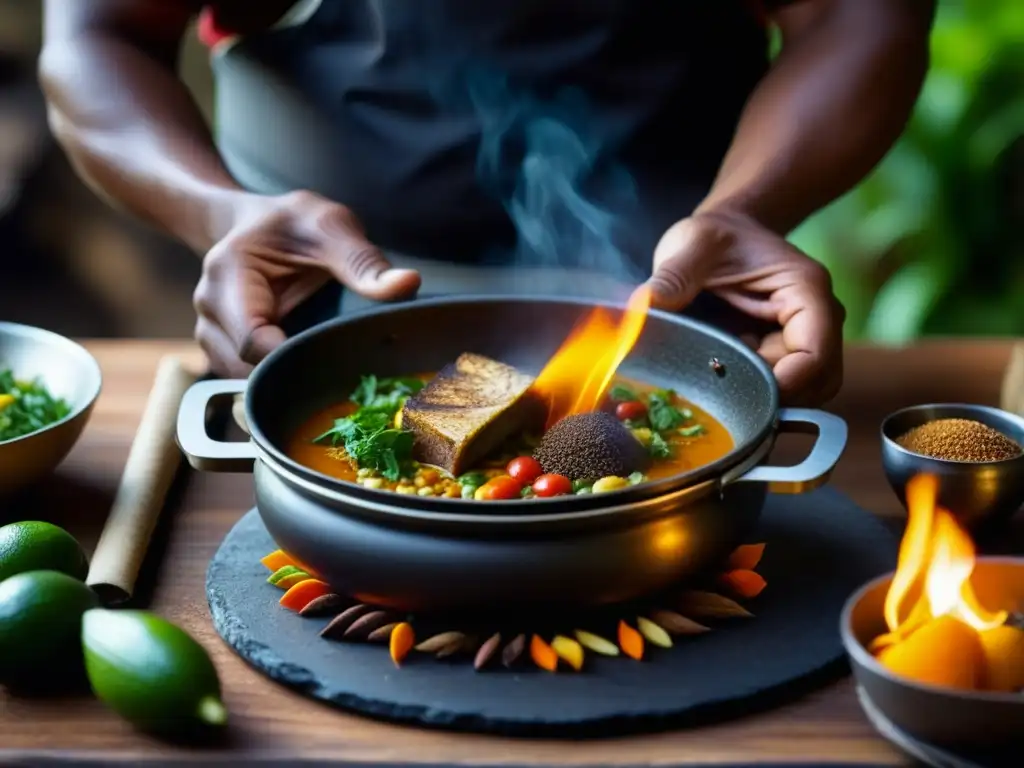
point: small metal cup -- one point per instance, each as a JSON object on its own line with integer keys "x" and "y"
{"x": 980, "y": 494}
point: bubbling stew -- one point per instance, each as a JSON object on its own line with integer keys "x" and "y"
{"x": 477, "y": 430}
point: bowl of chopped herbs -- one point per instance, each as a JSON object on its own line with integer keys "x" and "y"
{"x": 48, "y": 386}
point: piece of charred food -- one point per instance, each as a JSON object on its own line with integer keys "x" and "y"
{"x": 591, "y": 445}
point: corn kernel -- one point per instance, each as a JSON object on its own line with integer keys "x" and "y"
{"x": 430, "y": 476}
{"x": 643, "y": 434}
{"x": 426, "y": 491}
{"x": 398, "y": 419}
{"x": 610, "y": 483}
{"x": 373, "y": 482}
{"x": 406, "y": 490}
{"x": 453, "y": 492}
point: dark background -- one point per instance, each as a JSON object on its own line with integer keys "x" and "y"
{"x": 931, "y": 243}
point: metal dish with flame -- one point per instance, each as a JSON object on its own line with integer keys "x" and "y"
{"x": 433, "y": 554}
{"x": 920, "y": 639}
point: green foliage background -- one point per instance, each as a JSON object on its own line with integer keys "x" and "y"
{"x": 933, "y": 241}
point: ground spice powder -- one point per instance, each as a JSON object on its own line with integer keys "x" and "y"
{"x": 959, "y": 440}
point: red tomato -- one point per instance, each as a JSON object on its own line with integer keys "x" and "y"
{"x": 525, "y": 469}
{"x": 630, "y": 410}
{"x": 552, "y": 485}
{"x": 500, "y": 488}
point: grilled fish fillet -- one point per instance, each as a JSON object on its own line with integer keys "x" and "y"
{"x": 467, "y": 410}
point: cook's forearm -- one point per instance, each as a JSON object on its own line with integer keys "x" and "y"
{"x": 134, "y": 134}
{"x": 837, "y": 98}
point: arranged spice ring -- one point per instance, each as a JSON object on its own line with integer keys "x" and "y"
{"x": 565, "y": 649}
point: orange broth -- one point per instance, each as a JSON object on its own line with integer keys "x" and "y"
{"x": 688, "y": 452}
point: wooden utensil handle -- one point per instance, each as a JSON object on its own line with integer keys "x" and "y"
{"x": 152, "y": 463}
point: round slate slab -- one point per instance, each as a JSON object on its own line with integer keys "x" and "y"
{"x": 820, "y": 548}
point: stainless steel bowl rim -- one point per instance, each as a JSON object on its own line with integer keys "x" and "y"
{"x": 866, "y": 659}
{"x": 986, "y": 409}
{"x": 18, "y": 329}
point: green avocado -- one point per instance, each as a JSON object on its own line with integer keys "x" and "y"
{"x": 152, "y": 673}
{"x": 40, "y": 625}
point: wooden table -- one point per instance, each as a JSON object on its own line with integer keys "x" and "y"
{"x": 271, "y": 723}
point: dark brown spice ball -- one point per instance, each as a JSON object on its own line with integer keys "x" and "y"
{"x": 589, "y": 446}
{"x": 959, "y": 440}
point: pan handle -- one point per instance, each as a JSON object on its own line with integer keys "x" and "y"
{"x": 814, "y": 471}
{"x": 202, "y": 451}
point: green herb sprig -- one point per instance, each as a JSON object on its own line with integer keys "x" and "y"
{"x": 32, "y": 408}
{"x": 663, "y": 414}
{"x": 369, "y": 435}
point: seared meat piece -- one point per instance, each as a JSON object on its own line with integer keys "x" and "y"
{"x": 470, "y": 408}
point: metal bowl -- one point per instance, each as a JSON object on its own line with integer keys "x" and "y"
{"x": 980, "y": 494}
{"x": 69, "y": 372}
{"x": 417, "y": 553}
{"x": 945, "y": 717}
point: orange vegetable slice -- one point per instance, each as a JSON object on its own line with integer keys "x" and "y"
{"x": 745, "y": 557}
{"x": 402, "y": 641}
{"x": 277, "y": 560}
{"x": 630, "y": 641}
{"x": 746, "y": 584}
{"x": 303, "y": 593}
{"x": 543, "y": 655}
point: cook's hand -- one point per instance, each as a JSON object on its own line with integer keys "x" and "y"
{"x": 761, "y": 274}
{"x": 279, "y": 253}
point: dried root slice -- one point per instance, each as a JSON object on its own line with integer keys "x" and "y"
{"x": 339, "y": 625}
{"x": 543, "y": 655}
{"x": 596, "y": 643}
{"x": 569, "y": 651}
{"x": 467, "y": 644}
{"x": 401, "y": 641}
{"x": 708, "y": 605}
{"x": 511, "y": 653}
{"x": 675, "y": 624}
{"x": 364, "y": 625}
{"x": 438, "y": 643}
{"x": 745, "y": 557}
{"x": 323, "y": 605}
{"x": 630, "y": 641}
{"x": 655, "y": 634}
{"x": 487, "y": 652}
{"x": 382, "y": 634}
{"x": 746, "y": 584}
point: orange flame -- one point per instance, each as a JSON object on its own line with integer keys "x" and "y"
{"x": 936, "y": 560}
{"x": 576, "y": 378}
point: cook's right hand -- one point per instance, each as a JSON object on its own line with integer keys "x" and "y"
{"x": 280, "y": 251}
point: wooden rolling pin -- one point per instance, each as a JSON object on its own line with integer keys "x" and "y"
{"x": 1012, "y": 398}
{"x": 148, "y": 474}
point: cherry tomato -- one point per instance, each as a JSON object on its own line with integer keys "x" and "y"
{"x": 552, "y": 485}
{"x": 630, "y": 410}
{"x": 525, "y": 469}
{"x": 500, "y": 488}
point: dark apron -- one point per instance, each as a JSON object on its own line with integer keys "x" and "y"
{"x": 506, "y": 146}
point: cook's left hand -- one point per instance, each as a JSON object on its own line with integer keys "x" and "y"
{"x": 764, "y": 276}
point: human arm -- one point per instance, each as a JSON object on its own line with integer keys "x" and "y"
{"x": 836, "y": 99}
{"x": 129, "y": 125}
{"x": 109, "y": 73}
